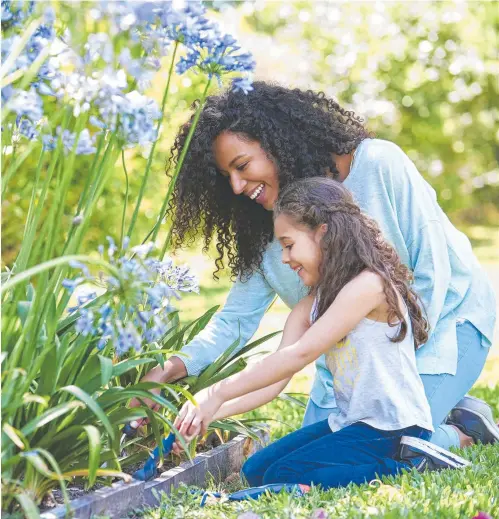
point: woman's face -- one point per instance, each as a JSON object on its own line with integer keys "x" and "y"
{"x": 247, "y": 167}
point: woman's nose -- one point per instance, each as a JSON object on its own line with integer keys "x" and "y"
{"x": 285, "y": 256}
{"x": 238, "y": 184}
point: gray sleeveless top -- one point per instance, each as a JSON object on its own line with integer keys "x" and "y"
{"x": 376, "y": 380}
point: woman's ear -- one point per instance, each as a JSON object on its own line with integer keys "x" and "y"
{"x": 320, "y": 232}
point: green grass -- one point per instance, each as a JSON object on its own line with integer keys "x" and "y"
{"x": 449, "y": 494}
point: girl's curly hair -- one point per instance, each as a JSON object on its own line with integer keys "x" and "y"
{"x": 352, "y": 243}
{"x": 299, "y": 131}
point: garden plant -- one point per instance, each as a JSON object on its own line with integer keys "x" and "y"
{"x": 79, "y": 326}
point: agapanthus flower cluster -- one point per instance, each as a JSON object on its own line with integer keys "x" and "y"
{"x": 96, "y": 77}
{"x": 137, "y": 298}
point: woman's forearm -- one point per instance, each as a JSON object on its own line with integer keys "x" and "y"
{"x": 250, "y": 401}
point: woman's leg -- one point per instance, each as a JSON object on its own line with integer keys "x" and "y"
{"x": 445, "y": 391}
{"x": 357, "y": 454}
{"x": 255, "y": 467}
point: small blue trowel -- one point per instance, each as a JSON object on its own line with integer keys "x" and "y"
{"x": 150, "y": 468}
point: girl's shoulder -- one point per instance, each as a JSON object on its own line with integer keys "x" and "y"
{"x": 304, "y": 307}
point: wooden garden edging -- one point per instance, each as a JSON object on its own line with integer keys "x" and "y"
{"x": 116, "y": 501}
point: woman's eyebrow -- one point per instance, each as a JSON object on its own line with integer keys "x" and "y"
{"x": 235, "y": 159}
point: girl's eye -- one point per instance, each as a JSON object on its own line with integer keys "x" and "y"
{"x": 288, "y": 247}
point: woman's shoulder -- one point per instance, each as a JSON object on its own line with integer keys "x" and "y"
{"x": 375, "y": 150}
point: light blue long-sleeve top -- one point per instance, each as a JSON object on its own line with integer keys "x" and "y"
{"x": 447, "y": 276}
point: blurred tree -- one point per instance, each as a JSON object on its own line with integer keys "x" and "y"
{"x": 424, "y": 75}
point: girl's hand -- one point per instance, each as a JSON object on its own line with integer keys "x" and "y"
{"x": 193, "y": 420}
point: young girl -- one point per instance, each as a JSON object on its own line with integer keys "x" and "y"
{"x": 362, "y": 314}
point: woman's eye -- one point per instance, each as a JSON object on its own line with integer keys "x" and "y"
{"x": 242, "y": 167}
{"x": 288, "y": 247}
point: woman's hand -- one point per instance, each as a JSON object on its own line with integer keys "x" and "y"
{"x": 193, "y": 420}
{"x": 174, "y": 368}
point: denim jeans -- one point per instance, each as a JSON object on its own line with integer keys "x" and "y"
{"x": 315, "y": 455}
{"x": 443, "y": 391}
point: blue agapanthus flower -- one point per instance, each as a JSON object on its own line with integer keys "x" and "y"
{"x": 134, "y": 115}
{"x": 15, "y": 13}
{"x": 137, "y": 298}
{"x": 242, "y": 84}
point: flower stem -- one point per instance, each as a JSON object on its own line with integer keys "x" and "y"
{"x": 126, "y": 199}
{"x": 153, "y": 147}
{"x": 178, "y": 167}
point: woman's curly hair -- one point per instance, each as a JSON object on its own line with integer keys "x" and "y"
{"x": 352, "y": 243}
{"x": 299, "y": 131}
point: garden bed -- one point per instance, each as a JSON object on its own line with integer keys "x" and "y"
{"x": 118, "y": 499}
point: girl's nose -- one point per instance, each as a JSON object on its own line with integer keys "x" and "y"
{"x": 285, "y": 256}
{"x": 238, "y": 184}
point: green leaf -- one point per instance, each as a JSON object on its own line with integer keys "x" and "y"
{"x": 254, "y": 344}
{"x": 28, "y": 505}
{"x": 91, "y": 404}
{"x": 127, "y": 365}
{"x": 94, "y": 448}
{"x": 51, "y": 320}
{"x": 288, "y": 397}
{"x": 49, "y": 368}
{"x": 49, "y": 416}
{"x": 213, "y": 368}
{"x": 23, "y": 308}
{"x": 15, "y": 436}
{"x": 201, "y": 322}
{"x": 106, "y": 369}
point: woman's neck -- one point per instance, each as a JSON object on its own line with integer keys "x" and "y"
{"x": 343, "y": 164}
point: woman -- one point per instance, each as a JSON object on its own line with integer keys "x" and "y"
{"x": 244, "y": 149}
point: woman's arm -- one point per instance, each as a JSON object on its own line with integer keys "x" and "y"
{"x": 242, "y": 313}
{"x": 356, "y": 300}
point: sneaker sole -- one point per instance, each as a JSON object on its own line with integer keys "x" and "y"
{"x": 441, "y": 454}
{"x": 492, "y": 429}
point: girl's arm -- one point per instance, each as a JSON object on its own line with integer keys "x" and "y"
{"x": 357, "y": 299}
{"x": 297, "y": 324}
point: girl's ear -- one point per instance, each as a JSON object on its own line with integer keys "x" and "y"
{"x": 320, "y": 232}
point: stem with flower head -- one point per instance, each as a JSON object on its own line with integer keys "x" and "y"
{"x": 15, "y": 165}
{"x": 178, "y": 167}
{"x": 27, "y": 251}
{"x": 60, "y": 196}
{"x": 125, "y": 201}
{"x": 153, "y": 147}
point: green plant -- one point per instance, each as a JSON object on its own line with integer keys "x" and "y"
{"x": 68, "y": 372}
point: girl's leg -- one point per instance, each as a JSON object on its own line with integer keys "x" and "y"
{"x": 255, "y": 467}
{"x": 357, "y": 454}
{"x": 445, "y": 391}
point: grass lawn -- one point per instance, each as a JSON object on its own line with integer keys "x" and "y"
{"x": 447, "y": 494}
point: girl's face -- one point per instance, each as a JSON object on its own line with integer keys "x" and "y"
{"x": 248, "y": 168}
{"x": 301, "y": 248}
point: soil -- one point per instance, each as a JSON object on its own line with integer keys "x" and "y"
{"x": 76, "y": 489}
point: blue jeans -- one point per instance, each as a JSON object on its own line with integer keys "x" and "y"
{"x": 443, "y": 391}
{"x": 316, "y": 455}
